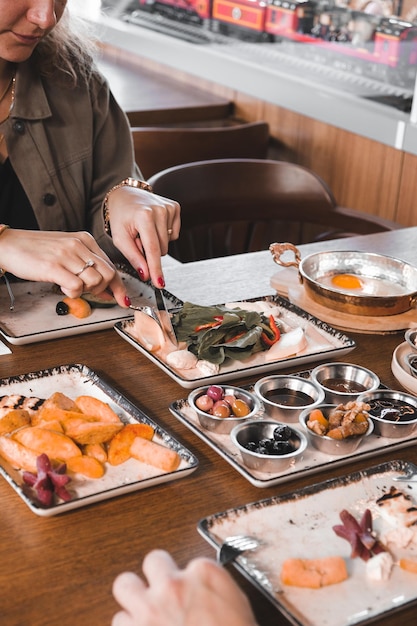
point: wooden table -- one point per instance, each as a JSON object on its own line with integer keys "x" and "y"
{"x": 59, "y": 570}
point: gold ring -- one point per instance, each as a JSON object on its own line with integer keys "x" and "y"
{"x": 169, "y": 231}
{"x": 87, "y": 264}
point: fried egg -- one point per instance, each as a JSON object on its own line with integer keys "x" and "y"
{"x": 362, "y": 285}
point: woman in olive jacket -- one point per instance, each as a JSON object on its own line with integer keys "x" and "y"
{"x": 67, "y": 163}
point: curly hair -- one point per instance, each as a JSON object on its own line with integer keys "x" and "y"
{"x": 67, "y": 53}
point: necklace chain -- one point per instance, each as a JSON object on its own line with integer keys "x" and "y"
{"x": 6, "y": 91}
{"x": 12, "y": 83}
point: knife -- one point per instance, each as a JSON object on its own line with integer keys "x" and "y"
{"x": 164, "y": 315}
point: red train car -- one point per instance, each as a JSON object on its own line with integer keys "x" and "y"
{"x": 240, "y": 14}
{"x": 194, "y": 10}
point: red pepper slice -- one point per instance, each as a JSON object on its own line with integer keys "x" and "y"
{"x": 269, "y": 341}
{"x": 217, "y": 321}
{"x": 238, "y": 336}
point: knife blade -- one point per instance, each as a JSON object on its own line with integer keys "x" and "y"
{"x": 164, "y": 315}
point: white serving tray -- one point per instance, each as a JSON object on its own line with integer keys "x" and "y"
{"x": 324, "y": 341}
{"x": 311, "y": 462}
{"x": 299, "y": 525}
{"x": 75, "y": 380}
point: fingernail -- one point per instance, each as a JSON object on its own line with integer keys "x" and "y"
{"x": 128, "y": 301}
{"x": 141, "y": 273}
{"x": 161, "y": 282}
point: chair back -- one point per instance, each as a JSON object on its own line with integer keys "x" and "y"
{"x": 158, "y": 148}
{"x": 230, "y": 206}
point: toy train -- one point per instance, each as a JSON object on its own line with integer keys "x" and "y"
{"x": 340, "y": 32}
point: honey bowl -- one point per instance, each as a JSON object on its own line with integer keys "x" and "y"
{"x": 343, "y": 382}
{"x": 284, "y": 397}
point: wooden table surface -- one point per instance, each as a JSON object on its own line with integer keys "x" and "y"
{"x": 59, "y": 570}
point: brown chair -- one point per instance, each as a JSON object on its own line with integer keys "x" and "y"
{"x": 158, "y": 148}
{"x": 230, "y": 206}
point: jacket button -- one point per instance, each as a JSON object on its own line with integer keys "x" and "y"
{"x": 49, "y": 199}
{"x": 19, "y": 127}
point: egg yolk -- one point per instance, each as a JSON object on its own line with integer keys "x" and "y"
{"x": 346, "y": 281}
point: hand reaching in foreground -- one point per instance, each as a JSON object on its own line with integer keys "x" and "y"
{"x": 202, "y": 594}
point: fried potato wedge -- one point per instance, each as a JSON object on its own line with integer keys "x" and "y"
{"x": 96, "y": 451}
{"x": 18, "y": 455}
{"x": 90, "y": 432}
{"x": 155, "y": 454}
{"x": 119, "y": 446}
{"x": 59, "y": 415}
{"x": 59, "y": 400}
{"x": 14, "y": 419}
{"x": 51, "y": 425}
{"x": 86, "y": 465}
{"x": 56, "y": 445}
{"x": 99, "y": 409}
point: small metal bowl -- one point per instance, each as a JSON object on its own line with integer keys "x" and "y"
{"x": 343, "y": 382}
{"x": 223, "y": 425}
{"x": 382, "y": 399}
{"x": 411, "y": 338}
{"x": 284, "y": 397}
{"x": 255, "y": 430}
{"x": 411, "y": 360}
{"x": 327, "y": 444}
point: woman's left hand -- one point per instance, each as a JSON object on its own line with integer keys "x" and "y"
{"x": 142, "y": 225}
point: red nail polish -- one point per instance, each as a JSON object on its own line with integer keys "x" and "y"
{"x": 161, "y": 282}
{"x": 141, "y": 273}
{"x": 128, "y": 301}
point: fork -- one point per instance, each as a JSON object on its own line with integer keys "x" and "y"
{"x": 234, "y": 546}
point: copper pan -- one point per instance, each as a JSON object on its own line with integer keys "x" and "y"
{"x": 389, "y": 284}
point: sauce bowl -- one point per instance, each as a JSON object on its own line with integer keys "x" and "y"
{"x": 284, "y": 397}
{"x": 343, "y": 382}
{"x": 393, "y": 413}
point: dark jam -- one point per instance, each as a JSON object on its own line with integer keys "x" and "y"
{"x": 288, "y": 397}
{"x": 343, "y": 386}
{"x": 393, "y": 410}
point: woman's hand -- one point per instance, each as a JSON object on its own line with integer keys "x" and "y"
{"x": 202, "y": 594}
{"x": 142, "y": 225}
{"x": 73, "y": 261}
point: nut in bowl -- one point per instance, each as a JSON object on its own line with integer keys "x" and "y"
{"x": 337, "y": 429}
{"x": 284, "y": 397}
{"x": 343, "y": 382}
{"x": 220, "y": 408}
{"x": 393, "y": 413}
{"x": 268, "y": 446}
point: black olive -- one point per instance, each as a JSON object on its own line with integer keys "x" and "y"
{"x": 62, "y": 308}
{"x": 282, "y": 433}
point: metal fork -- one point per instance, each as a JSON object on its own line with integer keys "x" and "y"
{"x": 232, "y": 547}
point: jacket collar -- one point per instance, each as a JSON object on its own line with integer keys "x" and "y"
{"x": 30, "y": 102}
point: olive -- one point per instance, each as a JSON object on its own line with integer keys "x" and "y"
{"x": 240, "y": 408}
{"x": 282, "y": 433}
{"x": 62, "y": 308}
{"x": 215, "y": 392}
{"x": 204, "y": 403}
{"x": 221, "y": 409}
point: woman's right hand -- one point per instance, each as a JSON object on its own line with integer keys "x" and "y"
{"x": 74, "y": 261}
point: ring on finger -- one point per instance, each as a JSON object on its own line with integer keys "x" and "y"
{"x": 170, "y": 231}
{"x": 87, "y": 264}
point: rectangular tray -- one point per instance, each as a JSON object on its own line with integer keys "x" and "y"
{"x": 299, "y": 525}
{"x": 323, "y": 341}
{"x": 34, "y": 317}
{"x": 311, "y": 462}
{"x": 74, "y": 380}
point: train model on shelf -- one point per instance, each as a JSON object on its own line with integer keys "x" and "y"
{"x": 356, "y": 40}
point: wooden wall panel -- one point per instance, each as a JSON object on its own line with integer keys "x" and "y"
{"x": 407, "y": 197}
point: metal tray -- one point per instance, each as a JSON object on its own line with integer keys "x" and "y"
{"x": 299, "y": 525}
{"x": 74, "y": 380}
